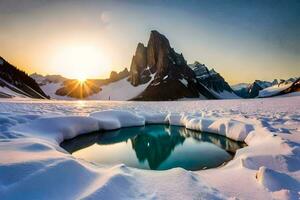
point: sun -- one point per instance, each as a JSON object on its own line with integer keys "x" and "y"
{"x": 82, "y": 79}
{"x": 81, "y": 61}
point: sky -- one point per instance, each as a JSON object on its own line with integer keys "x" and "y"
{"x": 243, "y": 40}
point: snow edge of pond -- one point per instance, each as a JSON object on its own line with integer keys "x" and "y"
{"x": 36, "y": 139}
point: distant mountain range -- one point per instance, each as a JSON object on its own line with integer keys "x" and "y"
{"x": 266, "y": 88}
{"x": 157, "y": 73}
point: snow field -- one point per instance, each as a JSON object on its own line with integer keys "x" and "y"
{"x": 34, "y": 166}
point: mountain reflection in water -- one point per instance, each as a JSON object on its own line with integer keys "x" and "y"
{"x": 155, "y": 147}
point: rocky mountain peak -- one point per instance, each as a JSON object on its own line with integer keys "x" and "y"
{"x": 170, "y": 69}
{"x": 158, "y": 57}
{"x": 150, "y": 59}
{"x": 158, "y": 49}
{"x": 138, "y": 64}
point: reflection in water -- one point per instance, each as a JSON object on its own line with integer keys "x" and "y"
{"x": 154, "y": 147}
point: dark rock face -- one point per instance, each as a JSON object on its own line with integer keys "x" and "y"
{"x": 254, "y": 89}
{"x": 210, "y": 78}
{"x": 113, "y": 76}
{"x": 19, "y": 82}
{"x": 173, "y": 78}
{"x": 138, "y": 74}
{"x": 243, "y": 92}
{"x": 123, "y": 74}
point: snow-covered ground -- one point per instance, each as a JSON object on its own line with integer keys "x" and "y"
{"x": 121, "y": 90}
{"x": 34, "y": 166}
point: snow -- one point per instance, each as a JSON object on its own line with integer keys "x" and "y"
{"x": 41, "y": 96}
{"x": 292, "y": 94}
{"x": 225, "y": 94}
{"x": 51, "y": 88}
{"x": 273, "y": 90}
{"x": 8, "y": 91}
{"x": 121, "y": 90}
{"x": 20, "y": 94}
{"x": 115, "y": 119}
{"x": 184, "y": 82}
{"x": 34, "y": 166}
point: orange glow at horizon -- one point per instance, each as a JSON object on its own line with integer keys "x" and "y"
{"x": 80, "y": 61}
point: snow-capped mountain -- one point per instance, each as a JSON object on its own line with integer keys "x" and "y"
{"x": 258, "y": 85}
{"x": 262, "y": 88}
{"x": 213, "y": 81}
{"x": 166, "y": 72}
{"x": 283, "y": 87}
{"x": 16, "y": 83}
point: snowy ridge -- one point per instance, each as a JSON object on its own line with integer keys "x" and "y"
{"x": 273, "y": 90}
{"x": 12, "y": 91}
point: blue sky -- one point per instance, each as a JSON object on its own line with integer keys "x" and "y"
{"x": 243, "y": 40}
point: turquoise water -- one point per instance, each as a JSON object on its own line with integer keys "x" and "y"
{"x": 155, "y": 147}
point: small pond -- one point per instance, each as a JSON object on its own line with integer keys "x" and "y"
{"x": 155, "y": 147}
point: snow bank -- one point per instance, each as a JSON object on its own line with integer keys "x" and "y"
{"x": 114, "y": 119}
{"x": 153, "y": 118}
{"x": 65, "y": 127}
{"x": 281, "y": 184}
{"x": 230, "y": 128}
{"x": 57, "y": 129}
